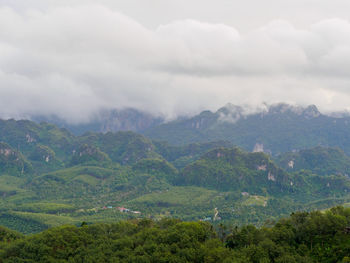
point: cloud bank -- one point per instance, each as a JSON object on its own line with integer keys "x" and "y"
{"x": 73, "y": 61}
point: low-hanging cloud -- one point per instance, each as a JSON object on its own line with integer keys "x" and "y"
{"x": 74, "y": 61}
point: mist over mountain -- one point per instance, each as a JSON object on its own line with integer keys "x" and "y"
{"x": 90, "y": 56}
{"x": 108, "y": 121}
{"x": 273, "y": 129}
{"x": 175, "y": 131}
{"x": 141, "y": 121}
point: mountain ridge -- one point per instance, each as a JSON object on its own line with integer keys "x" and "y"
{"x": 111, "y": 176}
{"x": 279, "y": 128}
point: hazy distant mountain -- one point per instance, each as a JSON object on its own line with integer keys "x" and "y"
{"x": 275, "y": 129}
{"x": 113, "y": 120}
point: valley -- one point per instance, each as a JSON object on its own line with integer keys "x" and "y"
{"x": 50, "y": 177}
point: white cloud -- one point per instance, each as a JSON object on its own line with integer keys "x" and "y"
{"x": 72, "y": 61}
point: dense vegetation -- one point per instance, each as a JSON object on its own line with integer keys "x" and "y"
{"x": 50, "y": 177}
{"x": 303, "y": 237}
{"x": 319, "y": 160}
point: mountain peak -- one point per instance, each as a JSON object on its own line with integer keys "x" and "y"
{"x": 308, "y": 112}
{"x": 311, "y": 112}
{"x": 230, "y": 113}
{"x": 229, "y": 107}
{"x": 284, "y": 107}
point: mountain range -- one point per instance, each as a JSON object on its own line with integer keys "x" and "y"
{"x": 277, "y": 129}
{"x": 273, "y": 129}
{"x": 49, "y": 176}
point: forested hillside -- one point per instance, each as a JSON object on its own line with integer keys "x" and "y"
{"x": 302, "y": 237}
{"x": 50, "y": 177}
{"x": 319, "y": 160}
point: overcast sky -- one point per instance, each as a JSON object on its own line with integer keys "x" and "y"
{"x": 72, "y": 58}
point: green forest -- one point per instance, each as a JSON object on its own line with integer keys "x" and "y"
{"x": 318, "y": 236}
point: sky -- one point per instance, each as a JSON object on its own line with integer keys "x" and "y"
{"x": 74, "y": 58}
